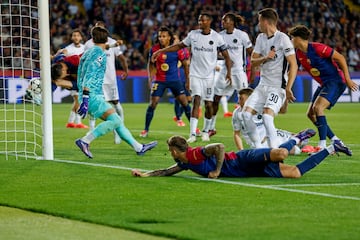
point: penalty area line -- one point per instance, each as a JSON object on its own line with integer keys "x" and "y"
{"x": 271, "y": 187}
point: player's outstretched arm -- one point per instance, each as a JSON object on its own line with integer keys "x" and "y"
{"x": 237, "y": 140}
{"x": 157, "y": 173}
{"x": 340, "y": 59}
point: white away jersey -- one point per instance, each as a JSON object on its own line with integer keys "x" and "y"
{"x": 238, "y": 124}
{"x": 204, "y": 49}
{"x": 111, "y": 53}
{"x": 74, "y": 50}
{"x": 237, "y": 42}
{"x": 274, "y": 72}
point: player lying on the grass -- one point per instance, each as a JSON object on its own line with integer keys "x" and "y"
{"x": 240, "y": 128}
{"x": 212, "y": 161}
{"x": 90, "y": 81}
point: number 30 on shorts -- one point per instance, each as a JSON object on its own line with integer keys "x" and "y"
{"x": 273, "y": 98}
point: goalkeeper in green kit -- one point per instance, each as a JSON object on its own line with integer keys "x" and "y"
{"x": 91, "y": 73}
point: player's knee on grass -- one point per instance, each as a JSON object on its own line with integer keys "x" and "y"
{"x": 288, "y": 171}
{"x": 278, "y": 154}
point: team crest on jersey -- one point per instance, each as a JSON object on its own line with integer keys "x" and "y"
{"x": 315, "y": 72}
{"x": 99, "y": 60}
{"x": 164, "y": 67}
{"x": 211, "y": 42}
{"x": 179, "y": 64}
{"x": 234, "y": 40}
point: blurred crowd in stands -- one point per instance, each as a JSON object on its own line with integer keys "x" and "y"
{"x": 136, "y": 22}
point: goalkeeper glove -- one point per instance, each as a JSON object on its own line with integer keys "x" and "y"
{"x": 83, "y": 109}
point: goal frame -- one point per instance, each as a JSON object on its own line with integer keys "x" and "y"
{"x": 45, "y": 73}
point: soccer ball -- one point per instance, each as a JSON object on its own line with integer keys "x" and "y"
{"x": 35, "y": 85}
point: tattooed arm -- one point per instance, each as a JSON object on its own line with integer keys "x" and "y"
{"x": 157, "y": 173}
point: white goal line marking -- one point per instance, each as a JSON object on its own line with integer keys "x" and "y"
{"x": 281, "y": 187}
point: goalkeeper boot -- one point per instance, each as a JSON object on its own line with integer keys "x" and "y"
{"x": 147, "y": 147}
{"x": 84, "y": 147}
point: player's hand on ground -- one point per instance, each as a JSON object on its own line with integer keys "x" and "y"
{"x": 136, "y": 173}
{"x": 214, "y": 174}
{"x": 83, "y": 109}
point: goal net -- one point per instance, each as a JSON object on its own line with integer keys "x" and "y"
{"x": 21, "y": 115}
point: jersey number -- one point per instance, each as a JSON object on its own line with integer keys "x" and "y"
{"x": 274, "y": 98}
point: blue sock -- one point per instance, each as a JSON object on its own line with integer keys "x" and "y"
{"x": 178, "y": 109}
{"x": 312, "y": 161}
{"x": 288, "y": 145}
{"x": 106, "y": 126}
{"x": 187, "y": 110}
{"x": 149, "y": 117}
{"x": 329, "y": 132}
{"x": 322, "y": 127}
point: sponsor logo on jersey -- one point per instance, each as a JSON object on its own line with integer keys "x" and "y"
{"x": 203, "y": 49}
{"x": 164, "y": 67}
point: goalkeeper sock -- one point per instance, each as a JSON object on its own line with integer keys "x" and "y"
{"x": 110, "y": 124}
{"x": 124, "y": 133}
{"x": 312, "y": 161}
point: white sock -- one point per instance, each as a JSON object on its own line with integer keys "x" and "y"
{"x": 330, "y": 149}
{"x": 119, "y": 110}
{"x": 72, "y": 117}
{"x": 92, "y": 123}
{"x": 89, "y": 137}
{"x": 77, "y": 118}
{"x": 213, "y": 122}
{"x": 322, "y": 143}
{"x": 224, "y": 104}
{"x": 193, "y": 125}
{"x": 334, "y": 138}
{"x": 207, "y": 123}
{"x": 137, "y": 146}
{"x": 271, "y": 130}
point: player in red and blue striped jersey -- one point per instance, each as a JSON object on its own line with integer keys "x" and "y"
{"x": 329, "y": 68}
{"x": 178, "y": 109}
{"x": 212, "y": 161}
{"x": 164, "y": 74}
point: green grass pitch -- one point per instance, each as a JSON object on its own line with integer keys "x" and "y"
{"x": 323, "y": 204}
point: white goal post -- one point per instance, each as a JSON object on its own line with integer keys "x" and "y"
{"x": 25, "y": 128}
